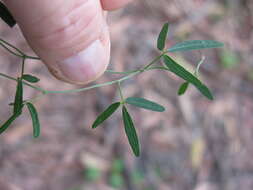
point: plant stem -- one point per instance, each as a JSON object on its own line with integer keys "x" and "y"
{"x": 93, "y": 86}
{"x": 9, "y": 50}
{"x": 31, "y": 57}
{"x": 25, "y": 83}
{"x": 153, "y": 62}
{"x": 74, "y": 90}
{"x": 121, "y": 94}
{"x": 18, "y": 52}
{"x": 130, "y": 74}
{"x": 121, "y": 73}
{"x": 157, "y": 68}
{"x": 2, "y": 42}
{"x": 22, "y": 68}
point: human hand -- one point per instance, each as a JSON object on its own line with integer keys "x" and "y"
{"x": 70, "y": 36}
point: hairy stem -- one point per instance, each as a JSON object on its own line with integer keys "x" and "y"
{"x": 93, "y": 86}
{"x": 19, "y": 53}
{"x": 130, "y": 74}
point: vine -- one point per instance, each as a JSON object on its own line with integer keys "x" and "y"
{"x": 162, "y": 62}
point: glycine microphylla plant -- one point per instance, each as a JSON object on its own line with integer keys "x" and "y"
{"x": 162, "y": 62}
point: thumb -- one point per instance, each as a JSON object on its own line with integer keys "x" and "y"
{"x": 71, "y": 37}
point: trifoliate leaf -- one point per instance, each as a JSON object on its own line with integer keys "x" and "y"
{"x": 186, "y": 75}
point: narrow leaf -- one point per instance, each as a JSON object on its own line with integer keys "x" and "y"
{"x": 18, "y": 103}
{"x": 195, "y": 45}
{"x": 8, "y": 123}
{"x": 35, "y": 120}
{"x": 162, "y": 37}
{"x": 186, "y": 75}
{"x": 131, "y": 132}
{"x": 146, "y": 104}
{"x": 182, "y": 89}
{"x": 106, "y": 114}
{"x": 30, "y": 78}
{"x": 6, "y": 15}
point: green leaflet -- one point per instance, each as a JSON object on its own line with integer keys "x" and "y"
{"x": 106, "y": 114}
{"x": 195, "y": 45}
{"x": 144, "y": 103}
{"x": 131, "y": 132}
{"x": 35, "y": 119}
{"x": 18, "y": 103}
{"x": 186, "y": 75}
{"x": 8, "y": 122}
{"x": 182, "y": 89}
{"x": 161, "y": 41}
{"x": 30, "y": 78}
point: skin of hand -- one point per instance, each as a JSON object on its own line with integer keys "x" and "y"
{"x": 70, "y": 36}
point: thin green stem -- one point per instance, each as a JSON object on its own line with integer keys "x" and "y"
{"x": 121, "y": 73}
{"x": 146, "y": 67}
{"x": 153, "y": 62}
{"x": 93, "y": 86}
{"x": 22, "y": 55}
{"x": 121, "y": 93}
{"x": 3, "y": 43}
{"x": 7, "y": 76}
{"x": 10, "y": 51}
{"x": 32, "y": 57}
{"x": 18, "y": 52}
{"x": 74, "y": 90}
{"x": 22, "y": 67}
{"x": 25, "y": 83}
{"x": 157, "y": 68}
{"x": 130, "y": 74}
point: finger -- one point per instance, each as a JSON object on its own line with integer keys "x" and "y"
{"x": 71, "y": 37}
{"x": 113, "y": 4}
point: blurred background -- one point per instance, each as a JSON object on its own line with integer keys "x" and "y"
{"x": 195, "y": 145}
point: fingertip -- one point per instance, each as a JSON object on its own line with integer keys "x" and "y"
{"x": 111, "y": 5}
{"x": 84, "y": 67}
